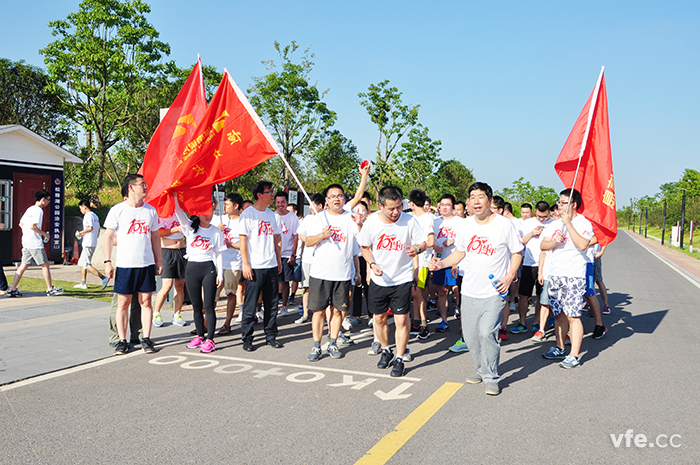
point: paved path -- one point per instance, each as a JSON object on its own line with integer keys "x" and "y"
{"x": 271, "y": 406}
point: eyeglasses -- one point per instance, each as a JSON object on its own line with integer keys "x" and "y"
{"x": 267, "y": 192}
{"x": 335, "y": 197}
{"x": 142, "y": 184}
{"x": 559, "y": 202}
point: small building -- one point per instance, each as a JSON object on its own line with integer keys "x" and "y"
{"x": 29, "y": 163}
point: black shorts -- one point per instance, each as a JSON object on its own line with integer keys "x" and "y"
{"x": 528, "y": 280}
{"x": 287, "y": 274}
{"x": 174, "y": 263}
{"x": 323, "y": 293}
{"x": 398, "y": 298}
{"x": 130, "y": 280}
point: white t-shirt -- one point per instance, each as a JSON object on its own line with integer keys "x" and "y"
{"x": 231, "y": 256}
{"x": 427, "y": 224}
{"x": 488, "y": 249}
{"x": 566, "y": 259}
{"x": 389, "y": 242}
{"x": 260, "y": 228}
{"x": 289, "y": 224}
{"x": 133, "y": 227}
{"x": 447, "y": 229}
{"x": 205, "y": 244}
{"x": 307, "y": 253}
{"x": 334, "y": 255}
{"x": 170, "y": 223}
{"x": 531, "y": 254}
{"x": 90, "y": 238}
{"x": 518, "y": 223}
{"x": 33, "y": 216}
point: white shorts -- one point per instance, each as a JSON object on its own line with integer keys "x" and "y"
{"x": 85, "y": 260}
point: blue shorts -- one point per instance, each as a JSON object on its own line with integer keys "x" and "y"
{"x": 130, "y": 280}
{"x": 590, "y": 283}
{"x": 444, "y": 277}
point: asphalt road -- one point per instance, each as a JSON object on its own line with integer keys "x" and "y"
{"x": 272, "y": 406}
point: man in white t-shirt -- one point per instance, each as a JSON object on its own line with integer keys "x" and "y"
{"x": 139, "y": 261}
{"x": 260, "y": 239}
{"x": 332, "y": 234}
{"x": 568, "y": 239}
{"x": 289, "y": 223}
{"x": 33, "y": 238}
{"x": 317, "y": 203}
{"x": 492, "y": 252}
{"x": 89, "y": 233}
{"x": 389, "y": 240}
{"x": 232, "y": 263}
{"x": 525, "y": 211}
{"x": 417, "y": 199}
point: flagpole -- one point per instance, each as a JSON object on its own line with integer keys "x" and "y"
{"x": 294, "y": 175}
{"x": 591, "y": 108}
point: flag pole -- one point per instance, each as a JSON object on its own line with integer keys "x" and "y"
{"x": 294, "y": 175}
{"x": 591, "y": 108}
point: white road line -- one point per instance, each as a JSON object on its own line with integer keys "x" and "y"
{"x": 670, "y": 264}
{"x": 304, "y": 367}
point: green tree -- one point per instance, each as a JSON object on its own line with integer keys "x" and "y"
{"x": 417, "y": 161}
{"x": 451, "y": 177}
{"x": 393, "y": 119}
{"x": 689, "y": 183}
{"x": 290, "y": 105}
{"x": 335, "y": 160}
{"x": 25, "y": 100}
{"x": 523, "y": 191}
{"x": 103, "y": 58}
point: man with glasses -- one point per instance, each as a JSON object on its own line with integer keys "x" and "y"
{"x": 446, "y": 228}
{"x": 139, "y": 261}
{"x": 260, "y": 239}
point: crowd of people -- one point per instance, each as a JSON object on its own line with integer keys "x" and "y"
{"x": 401, "y": 261}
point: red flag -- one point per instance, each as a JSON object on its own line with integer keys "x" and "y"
{"x": 230, "y": 140}
{"x": 590, "y": 141}
{"x": 170, "y": 138}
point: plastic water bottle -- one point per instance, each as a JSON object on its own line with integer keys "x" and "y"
{"x": 496, "y": 284}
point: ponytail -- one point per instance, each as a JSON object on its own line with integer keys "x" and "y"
{"x": 195, "y": 223}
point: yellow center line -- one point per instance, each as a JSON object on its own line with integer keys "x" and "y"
{"x": 392, "y": 442}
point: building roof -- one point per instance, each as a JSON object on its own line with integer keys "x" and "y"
{"x": 19, "y": 144}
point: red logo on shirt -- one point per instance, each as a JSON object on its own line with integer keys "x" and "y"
{"x": 201, "y": 242}
{"x": 284, "y": 228}
{"x": 565, "y": 236}
{"x": 138, "y": 227}
{"x": 265, "y": 229}
{"x": 390, "y": 243}
{"x": 447, "y": 233}
{"x": 337, "y": 234}
{"x": 227, "y": 234}
{"x": 480, "y": 246}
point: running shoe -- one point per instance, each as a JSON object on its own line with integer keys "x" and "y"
{"x": 105, "y": 281}
{"x": 333, "y": 351}
{"x": 513, "y": 307}
{"x": 14, "y": 293}
{"x": 415, "y": 330}
{"x": 424, "y": 333}
{"x": 520, "y": 328}
{"x": 503, "y": 334}
{"x": 302, "y": 320}
{"x": 208, "y": 346}
{"x": 283, "y": 311}
{"x": 432, "y": 304}
{"x": 459, "y": 346}
{"x": 599, "y": 332}
{"x": 567, "y": 341}
{"x": 178, "y": 320}
{"x": 54, "y": 291}
{"x": 147, "y": 346}
{"x": 457, "y": 315}
{"x": 292, "y": 301}
{"x": 550, "y": 323}
{"x": 195, "y": 342}
{"x": 346, "y": 324}
{"x": 443, "y": 327}
{"x": 407, "y": 357}
{"x": 121, "y": 348}
{"x": 570, "y": 362}
{"x": 370, "y": 322}
{"x": 344, "y": 340}
{"x": 375, "y": 348}
{"x": 239, "y": 318}
{"x": 554, "y": 352}
{"x": 398, "y": 369}
{"x": 354, "y": 321}
{"x": 586, "y": 308}
{"x": 538, "y": 336}
{"x": 386, "y": 359}
{"x": 315, "y": 354}
{"x": 535, "y": 327}
{"x": 492, "y": 389}
{"x": 157, "y": 320}
{"x": 606, "y": 310}
{"x": 80, "y": 286}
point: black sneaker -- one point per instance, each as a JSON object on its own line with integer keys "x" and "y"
{"x": 599, "y": 332}
{"x": 147, "y": 346}
{"x": 424, "y": 333}
{"x": 121, "y": 348}
{"x": 415, "y": 330}
{"x": 14, "y": 293}
{"x": 386, "y": 359}
{"x": 397, "y": 371}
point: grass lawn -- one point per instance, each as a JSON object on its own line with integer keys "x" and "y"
{"x": 38, "y": 285}
{"x": 653, "y": 231}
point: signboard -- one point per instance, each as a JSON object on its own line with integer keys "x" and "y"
{"x": 56, "y": 220}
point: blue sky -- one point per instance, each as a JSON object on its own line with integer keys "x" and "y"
{"x": 499, "y": 83}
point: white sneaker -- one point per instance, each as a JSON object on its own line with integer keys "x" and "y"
{"x": 375, "y": 348}
{"x": 407, "y": 357}
{"x": 239, "y": 318}
{"x": 80, "y": 286}
{"x": 513, "y": 306}
{"x": 283, "y": 311}
{"x": 346, "y": 324}
{"x": 177, "y": 320}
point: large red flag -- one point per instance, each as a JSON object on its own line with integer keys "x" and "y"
{"x": 170, "y": 138}
{"x": 590, "y": 141}
{"x": 230, "y": 140}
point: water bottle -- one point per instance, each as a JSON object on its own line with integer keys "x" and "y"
{"x": 496, "y": 283}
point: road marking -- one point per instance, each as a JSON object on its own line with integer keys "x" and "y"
{"x": 392, "y": 442}
{"x": 395, "y": 393}
{"x": 304, "y": 367}
{"x": 670, "y": 264}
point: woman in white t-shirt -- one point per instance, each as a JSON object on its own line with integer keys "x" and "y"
{"x": 204, "y": 272}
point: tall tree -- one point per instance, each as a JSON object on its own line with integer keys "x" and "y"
{"x": 451, "y": 177}
{"x": 104, "y": 56}
{"x": 393, "y": 119}
{"x": 417, "y": 161}
{"x": 25, "y": 100}
{"x": 291, "y": 106}
{"x": 335, "y": 160}
{"x": 523, "y": 191}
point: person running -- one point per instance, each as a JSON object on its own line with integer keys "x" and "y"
{"x": 173, "y": 251}
{"x": 493, "y": 252}
{"x": 289, "y": 223}
{"x": 389, "y": 240}
{"x": 33, "y": 239}
{"x": 525, "y": 211}
{"x": 89, "y": 233}
{"x": 567, "y": 238}
{"x": 232, "y": 263}
{"x": 598, "y": 276}
{"x": 204, "y": 273}
{"x": 420, "y": 265}
{"x": 260, "y": 239}
{"x": 139, "y": 261}
{"x": 317, "y": 202}
{"x": 333, "y": 234}
{"x": 593, "y": 305}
